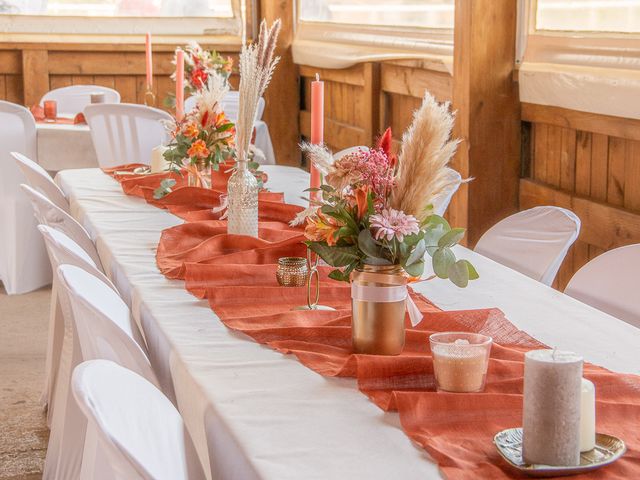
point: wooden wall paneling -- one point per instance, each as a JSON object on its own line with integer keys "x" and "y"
{"x": 282, "y": 96}
{"x": 127, "y": 88}
{"x": 554, "y": 147}
{"x": 583, "y": 163}
{"x": 35, "y": 75}
{"x": 599, "y": 166}
{"x": 10, "y": 62}
{"x": 59, "y": 81}
{"x": 568, "y": 159}
{"x": 351, "y": 76}
{"x": 14, "y": 89}
{"x": 3, "y": 87}
{"x": 615, "y": 176}
{"x": 632, "y": 176}
{"x": 486, "y": 99}
{"x": 414, "y": 81}
{"x": 540, "y": 152}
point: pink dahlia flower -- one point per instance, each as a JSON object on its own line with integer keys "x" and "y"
{"x": 392, "y": 223}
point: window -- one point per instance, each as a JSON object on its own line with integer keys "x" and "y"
{"x": 119, "y": 8}
{"x": 403, "y": 13}
{"x": 114, "y": 20}
{"x": 589, "y": 15}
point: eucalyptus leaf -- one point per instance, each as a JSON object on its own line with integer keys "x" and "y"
{"x": 459, "y": 274}
{"x": 432, "y": 236}
{"x": 417, "y": 254}
{"x": 435, "y": 220}
{"x": 451, "y": 238}
{"x": 335, "y": 256}
{"x": 473, "y": 273}
{"x": 377, "y": 261}
{"x": 367, "y": 244}
{"x": 443, "y": 260}
{"x": 416, "y": 269}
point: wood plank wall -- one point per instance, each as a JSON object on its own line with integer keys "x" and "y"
{"x": 28, "y": 71}
{"x": 589, "y": 164}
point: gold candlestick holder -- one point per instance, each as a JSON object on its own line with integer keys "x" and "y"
{"x": 312, "y": 262}
{"x": 149, "y": 97}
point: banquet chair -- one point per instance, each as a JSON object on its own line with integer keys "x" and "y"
{"x": 443, "y": 199}
{"x": 101, "y": 328}
{"x": 126, "y": 133}
{"x": 608, "y": 283}
{"x": 533, "y": 242}
{"x": 61, "y": 250}
{"x": 40, "y": 180}
{"x": 71, "y": 100}
{"x": 50, "y": 214}
{"x": 23, "y": 259}
{"x": 133, "y": 431}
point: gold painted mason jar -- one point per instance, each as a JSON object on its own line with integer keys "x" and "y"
{"x": 378, "y": 326}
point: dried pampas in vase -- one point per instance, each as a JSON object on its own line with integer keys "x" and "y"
{"x": 257, "y": 63}
{"x": 423, "y": 172}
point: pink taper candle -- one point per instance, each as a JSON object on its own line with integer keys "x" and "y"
{"x": 317, "y": 127}
{"x": 179, "y": 85}
{"x": 149, "y": 62}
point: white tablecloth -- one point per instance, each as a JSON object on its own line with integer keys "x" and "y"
{"x": 61, "y": 147}
{"x": 273, "y": 418}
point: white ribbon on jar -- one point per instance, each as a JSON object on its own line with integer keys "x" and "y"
{"x": 398, "y": 293}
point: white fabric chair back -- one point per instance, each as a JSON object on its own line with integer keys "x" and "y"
{"x": 40, "y": 180}
{"x": 103, "y": 321}
{"x": 126, "y": 133}
{"x": 64, "y": 251}
{"x": 72, "y": 100}
{"x": 134, "y": 428}
{"x": 609, "y": 283}
{"x": 49, "y": 214}
{"x": 533, "y": 242}
{"x": 443, "y": 199}
{"x": 23, "y": 259}
{"x": 190, "y": 103}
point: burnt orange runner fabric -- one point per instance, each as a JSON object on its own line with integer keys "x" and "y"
{"x": 236, "y": 274}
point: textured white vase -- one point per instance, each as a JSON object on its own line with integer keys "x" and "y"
{"x": 242, "y": 189}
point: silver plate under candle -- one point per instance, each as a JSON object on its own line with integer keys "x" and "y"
{"x": 608, "y": 449}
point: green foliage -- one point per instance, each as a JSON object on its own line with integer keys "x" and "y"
{"x": 164, "y": 188}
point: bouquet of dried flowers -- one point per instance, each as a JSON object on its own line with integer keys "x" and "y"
{"x": 204, "y": 137}
{"x": 376, "y": 208}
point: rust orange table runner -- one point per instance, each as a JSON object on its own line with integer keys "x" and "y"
{"x": 236, "y": 274}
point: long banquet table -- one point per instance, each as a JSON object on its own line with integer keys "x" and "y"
{"x": 264, "y": 415}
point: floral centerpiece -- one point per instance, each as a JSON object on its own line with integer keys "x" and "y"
{"x": 204, "y": 138}
{"x": 375, "y": 223}
{"x": 200, "y": 64}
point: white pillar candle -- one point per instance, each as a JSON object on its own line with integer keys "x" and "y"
{"x": 587, "y": 416}
{"x": 158, "y": 163}
{"x": 551, "y": 414}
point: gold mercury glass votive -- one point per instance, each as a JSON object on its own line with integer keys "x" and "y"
{"x": 292, "y": 271}
{"x": 460, "y": 360}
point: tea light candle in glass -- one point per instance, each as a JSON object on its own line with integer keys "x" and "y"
{"x": 50, "y": 110}
{"x": 460, "y": 361}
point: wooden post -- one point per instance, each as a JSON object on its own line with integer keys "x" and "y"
{"x": 35, "y": 75}
{"x": 283, "y": 95}
{"x": 488, "y": 114}
{"x": 372, "y": 102}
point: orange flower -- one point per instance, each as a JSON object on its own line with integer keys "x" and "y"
{"x": 322, "y": 228}
{"x": 360, "y": 195}
{"x": 191, "y": 130}
{"x": 198, "y": 149}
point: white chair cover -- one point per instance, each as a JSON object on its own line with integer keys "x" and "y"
{"x": 49, "y": 214}
{"x": 101, "y": 328}
{"x": 347, "y": 151}
{"x": 126, "y": 133}
{"x": 72, "y": 100}
{"x": 132, "y": 428}
{"x": 62, "y": 250}
{"x": 533, "y": 242}
{"x": 609, "y": 283}
{"x": 23, "y": 259}
{"x": 40, "y": 180}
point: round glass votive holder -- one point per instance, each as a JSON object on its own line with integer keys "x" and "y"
{"x": 460, "y": 361}
{"x": 292, "y": 271}
{"x": 50, "y": 110}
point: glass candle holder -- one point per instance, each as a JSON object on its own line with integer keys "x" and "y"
{"x": 460, "y": 360}
{"x": 292, "y": 271}
{"x": 50, "y": 110}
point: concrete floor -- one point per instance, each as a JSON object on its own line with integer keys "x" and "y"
{"x": 23, "y": 341}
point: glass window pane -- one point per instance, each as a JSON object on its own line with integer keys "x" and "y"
{"x": 120, "y": 8}
{"x": 408, "y": 13}
{"x": 589, "y": 15}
